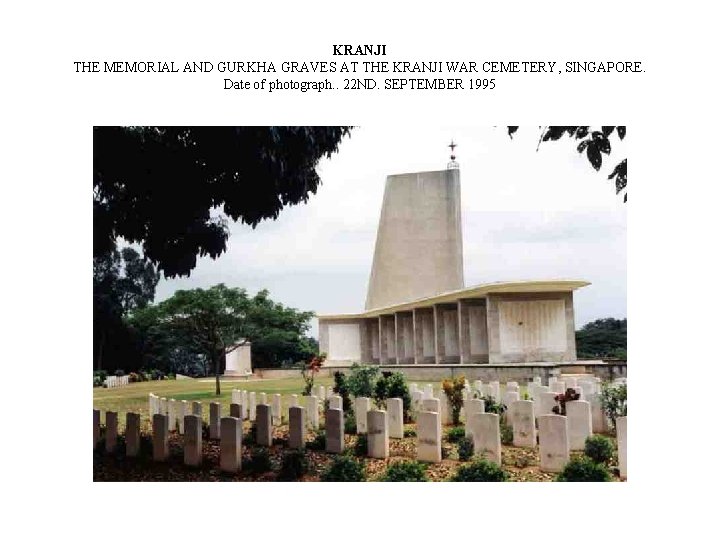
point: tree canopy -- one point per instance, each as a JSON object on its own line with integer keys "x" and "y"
{"x": 602, "y": 337}
{"x": 206, "y": 324}
{"x": 172, "y": 189}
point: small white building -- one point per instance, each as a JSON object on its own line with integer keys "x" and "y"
{"x": 238, "y": 362}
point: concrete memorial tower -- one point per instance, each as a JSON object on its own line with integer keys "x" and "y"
{"x": 418, "y": 310}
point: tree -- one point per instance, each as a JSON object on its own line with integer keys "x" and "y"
{"x": 122, "y": 281}
{"x": 594, "y": 143}
{"x": 172, "y": 189}
{"x": 209, "y": 323}
{"x": 602, "y": 337}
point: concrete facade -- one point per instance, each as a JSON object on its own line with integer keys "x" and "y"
{"x": 418, "y": 250}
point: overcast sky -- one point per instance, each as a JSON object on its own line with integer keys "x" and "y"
{"x": 527, "y": 214}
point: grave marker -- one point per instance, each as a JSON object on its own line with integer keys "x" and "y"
{"x": 161, "y": 449}
{"x": 579, "y": 423}
{"x": 362, "y": 407}
{"x": 554, "y": 443}
{"x": 621, "y": 425}
{"x": 263, "y": 425}
{"x": 192, "y": 440}
{"x": 297, "y": 427}
{"x": 523, "y": 423}
{"x": 111, "y": 431}
{"x": 334, "y": 431}
{"x": 395, "y": 417}
{"x": 377, "y": 434}
{"x": 485, "y": 428}
{"x": 231, "y": 441}
{"x": 214, "y": 420}
{"x": 429, "y": 433}
{"x": 132, "y": 434}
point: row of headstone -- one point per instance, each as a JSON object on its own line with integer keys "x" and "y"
{"x": 112, "y": 381}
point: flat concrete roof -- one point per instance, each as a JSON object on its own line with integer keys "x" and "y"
{"x": 476, "y": 291}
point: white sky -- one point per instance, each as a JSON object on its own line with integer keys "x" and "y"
{"x": 526, "y": 215}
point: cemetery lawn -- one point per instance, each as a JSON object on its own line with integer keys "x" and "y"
{"x": 522, "y": 464}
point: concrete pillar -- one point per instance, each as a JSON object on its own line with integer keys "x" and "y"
{"x": 297, "y": 427}
{"x": 493, "y": 330}
{"x": 111, "y": 431}
{"x": 579, "y": 423}
{"x": 485, "y": 428}
{"x": 523, "y": 423}
{"x": 382, "y": 342}
{"x": 395, "y": 418}
{"x": 334, "y": 431}
{"x": 439, "y": 323}
{"x": 231, "y": 442}
{"x": 96, "y": 427}
{"x": 554, "y": 443}
{"x": 263, "y": 425}
{"x": 418, "y": 350}
{"x": 313, "y": 413}
{"x": 362, "y": 407}
{"x": 377, "y": 434}
{"x": 132, "y": 434}
{"x": 464, "y": 332}
{"x": 621, "y": 423}
{"x": 192, "y": 440}
{"x": 215, "y": 420}
{"x": 161, "y": 448}
{"x": 399, "y": 340}
{"x": 429, "y": 435}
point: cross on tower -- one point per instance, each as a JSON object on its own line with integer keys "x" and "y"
{"x": 452, "y": 164}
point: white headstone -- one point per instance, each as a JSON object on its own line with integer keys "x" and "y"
{"x": 334, "y": 431}
{"x": 235, "y": 396}
{"x": 214, "y": 420}
{"x": 570, "y": 382}
{"x": 377, "y": 435}
{"x": 231, "y": 442}
{"x": 558, "y": 387}
{"x": 196, "y": 408}
{"x": 416, "y": 398}
{"x": 362, "y": 407}
{"x": 263, "y": 425}
{"x": 161, "y": 448}
{"x": 132, "y": 434}
{"x": 412, "y": 387}
{"x": 428, "y": 391}
{"x": 554, "y": 443}
{"x": 537, "y": 380}
{"x": 445, "y": 410}
{"x": 485, "y": 429}
{"x": 164, "y": 406}
{"x": 431, "y": 405}
{"x": 172, "y": 415}
{"x": 321, "y": 393}
{"x": 429, "y": 437}
{"x": 236, "y": 411}
{"x": 523, "y": 423}
{"x": 621, "y": 424}
{"x": 509, "y": 398}
{"x": 579, "y": 423}
{"x": 512, "y": 386}
{"x": 313, "y": 413}
{"x": 297, "y": 427}
{"x": 547, "y": 402}
{"x": 252, "y": 406}
{"x": 395, "y": 417}
{"x": 294, "y": 401}
{"x": 599, "y": 420}
{"x": 473, "y": 406}
{"x": 335, "y": 402}
{"x": 262, "y": 398}
{"x": 277, "y": 409}
{"x": 192, "y": 440}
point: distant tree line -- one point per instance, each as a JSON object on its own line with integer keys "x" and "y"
{"x": 602, "y": 338}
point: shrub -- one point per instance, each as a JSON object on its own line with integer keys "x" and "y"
{"x": 392, "y": 385}
{"x": 506, "y": 432}
{"x": 259, "y": 461}
{"x": 362, "y": 379}
{"x": 309, "y": 370}
{"x": 598, "y": 448}
{"x": 341, "y": 388}
{"x": 453, "y": 389}
{"x": 119, "y": 373}
{"x": 250, "y": 437}
{"x": 613, "y": 398}
{"x": 466, "y": 449}
{"x": 405, "y": 471}
{"x": 99, "y": 377}
{"x": 492, "y": 406}
{"x": 350, "y": 422}
{"x": 455, "y": 434}
{"x": 361, "y": 445}
{"x": 584, "y": 469}
{"x": 318, "y": 443}
{"x": 569, "y": 395}
{"x": 133, "y": 377}
{"x": 344, "y": 469}
{"x": 479, "y": 470}
{"x": 294, "y": 465}
{"x": 409, "y": 432}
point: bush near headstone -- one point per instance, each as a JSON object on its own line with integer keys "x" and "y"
{"x": 584, "y": 469}
{"x": 318, "y": 443}
{"x": 599, "y": 448}
{"x": 480, "y": 470}
{"x": 258, "y": 462}
{"x": 294, "y": 465}
{"x": 613, "y": 398}
{"x": 455, "y": 434}
{"x": 405, "y": 471}
{"x": 453, "y": 389}
{"x": 361, "y": 445}
{"x": 506, "y": 432}
{"x": 344, "y": 469}
{"x": 466, "y": 449}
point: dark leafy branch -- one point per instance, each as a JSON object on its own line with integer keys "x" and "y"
{"x": 593, "y": 143}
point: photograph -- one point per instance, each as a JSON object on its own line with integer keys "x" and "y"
{"x": 380, "y": 303}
